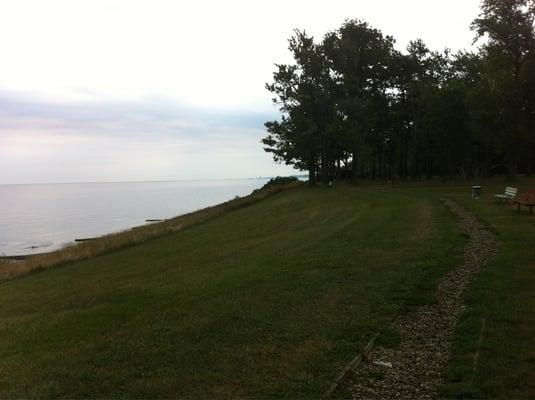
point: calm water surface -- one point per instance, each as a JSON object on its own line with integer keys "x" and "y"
{"x": 39, "y": 218}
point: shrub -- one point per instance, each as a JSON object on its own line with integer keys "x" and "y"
{"x": 281, "y": 180}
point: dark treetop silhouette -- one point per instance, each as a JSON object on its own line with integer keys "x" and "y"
{"x": 354, "y": 107}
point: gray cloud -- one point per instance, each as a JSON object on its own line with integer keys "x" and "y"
{"x": 154, "y": 116}
{"x": 45, "y": 141}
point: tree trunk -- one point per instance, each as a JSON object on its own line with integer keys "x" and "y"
{"x": 400, "y": 172}
{"x": 381, "y": 166}
{"x": 324, "y": 166}
{"x": 312, "y": 177}
{"x": 487, "y": 172}
{"x": 312, "y": 181}
{"x": 406, "y": 158}
{"x": 511, "y": 170}
{"x": 354, "y": 168}
{"x": 338, "y": 170}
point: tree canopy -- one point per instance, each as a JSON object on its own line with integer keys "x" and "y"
{"x": 353, "y": 107}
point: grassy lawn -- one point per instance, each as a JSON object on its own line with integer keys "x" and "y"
{"x": 270, "y": 300}
{"x": 494, "y": 353}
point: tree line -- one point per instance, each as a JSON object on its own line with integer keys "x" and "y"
{"x": 353, "y": 107}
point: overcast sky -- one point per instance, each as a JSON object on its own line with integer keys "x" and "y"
{"x": 159, "y": 90}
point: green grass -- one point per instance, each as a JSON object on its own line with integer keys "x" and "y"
{"x": 494, "y": 350}
{"x": 10, "y": 268}
{"x": 270, "y": 300}
{"x": 494, "y": 347}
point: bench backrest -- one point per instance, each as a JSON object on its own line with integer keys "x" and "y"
{"x": 510, "y": 192}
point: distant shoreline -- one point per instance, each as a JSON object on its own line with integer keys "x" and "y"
{"x": 42, "y": 218}
{"x": 149, "y": 181}
{"x": 28, "y": 263}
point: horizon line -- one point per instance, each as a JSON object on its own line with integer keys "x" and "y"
{"x": 147, "y": 181}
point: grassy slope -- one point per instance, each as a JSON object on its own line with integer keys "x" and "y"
{"x": 494, "y": 352}
{"x": 265, "y": 301}
{"x": 130, "y": 237}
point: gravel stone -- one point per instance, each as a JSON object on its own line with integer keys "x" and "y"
{"x": 420, "y": 361}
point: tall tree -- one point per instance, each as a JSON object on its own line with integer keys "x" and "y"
{"x": 300, "y": 138}
{"x": 354, "y": 107}
{"x": 359, "y": 57}
{"x": 508, "y": 26}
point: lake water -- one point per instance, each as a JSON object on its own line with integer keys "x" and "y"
{"x": 40, "y": 218}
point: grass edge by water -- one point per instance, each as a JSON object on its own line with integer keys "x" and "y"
{"x": 13, "y": 268}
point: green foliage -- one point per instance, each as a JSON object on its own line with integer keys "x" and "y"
{"x": 281, "y": 180}
{"x": 508, "y": 26}
{"x": 353, "y": 106}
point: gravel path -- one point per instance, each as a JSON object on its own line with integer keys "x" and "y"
{"x": 415, "y": 369}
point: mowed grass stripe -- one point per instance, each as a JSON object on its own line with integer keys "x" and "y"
{"x": 494, "y": 350}
{"x": 265, "y": 301}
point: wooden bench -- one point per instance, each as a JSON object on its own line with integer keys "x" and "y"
{"x": 510, "y": 193}
{"x": 526, "y": 199}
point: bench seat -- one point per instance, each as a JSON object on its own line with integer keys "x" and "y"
{"x": 526, "y": 199}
